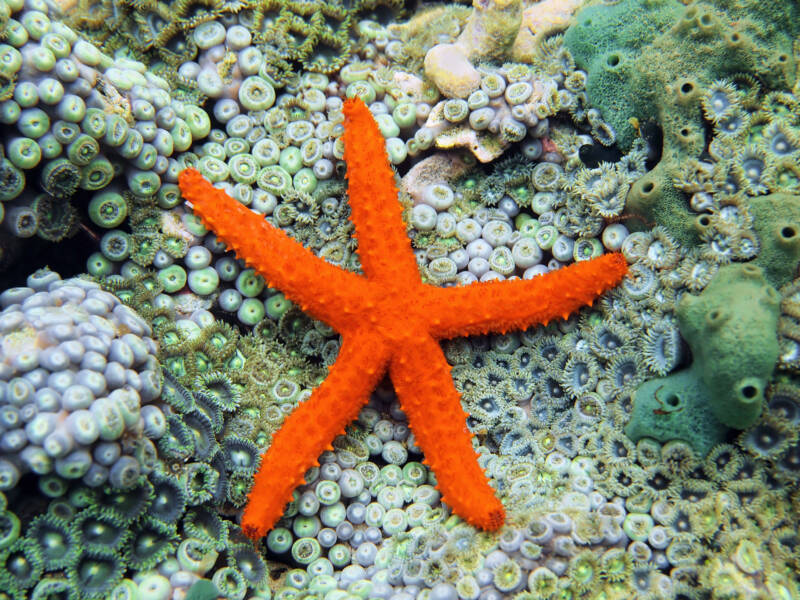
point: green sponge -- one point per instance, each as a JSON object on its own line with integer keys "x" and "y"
{"x": 676, "y": 407}
{"x": 777, "y": 223}
{"x": 731, "y": 328}
{"x": 648, "y": 59}
{"x": 652, "y": 61}
{"x": 203, "y": 589}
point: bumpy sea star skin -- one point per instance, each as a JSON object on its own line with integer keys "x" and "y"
{"x": 389, "y": 320}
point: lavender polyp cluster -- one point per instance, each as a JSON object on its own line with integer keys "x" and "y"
{"x": 215, "y": 41}
{"x": 503, "y": 242}
{"x": 84, "y": 117}
{"x": 278, "y": 151}
{"x": 536, "y": 211}
{"x": 77, "y": 371}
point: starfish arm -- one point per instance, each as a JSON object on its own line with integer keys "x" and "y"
{"x": 383, "y": 245}
{"x": 421, "y": 377}
{"x": 317, "y": 286}
{"x": 311, "y": 428}
{"x": 505, "y": 305}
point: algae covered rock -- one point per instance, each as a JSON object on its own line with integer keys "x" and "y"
{"x": 540, "y": 21}
{"x": 676, "y": 407}
{"x": 777, "y": 223}
{"x": 487, "y": 35}
{"x": 731, "y": 329}
{"x": 491, "y": 29}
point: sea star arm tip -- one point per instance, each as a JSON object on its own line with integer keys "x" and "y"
{"x": 505, "y": 305}
{"x": 310, "y": 429}
{"x": 421, "y": 377}
{"x": 282, "y": 261}
{"x": 384, "y": 247}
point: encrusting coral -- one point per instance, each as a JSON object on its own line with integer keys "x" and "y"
{"x": 383, "y": 331}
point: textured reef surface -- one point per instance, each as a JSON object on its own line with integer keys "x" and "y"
{"x": 646, "y": 446}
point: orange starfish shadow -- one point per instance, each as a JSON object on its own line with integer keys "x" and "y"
{"x": 389, "y": 320}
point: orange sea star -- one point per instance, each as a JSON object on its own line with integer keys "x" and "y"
{"x": 388, "y": 320}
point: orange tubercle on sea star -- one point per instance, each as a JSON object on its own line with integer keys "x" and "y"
{"x": 389, "y": 321}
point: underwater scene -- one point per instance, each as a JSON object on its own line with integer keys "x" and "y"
{"x": 399, "y": 300}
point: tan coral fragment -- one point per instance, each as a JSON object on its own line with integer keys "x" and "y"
{"x": 451, "y": 71}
